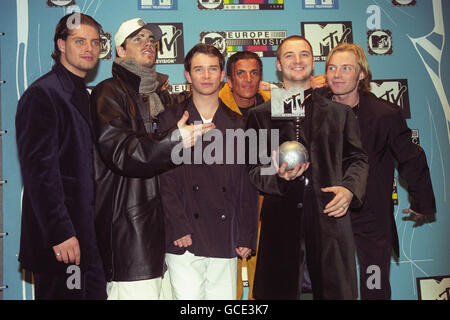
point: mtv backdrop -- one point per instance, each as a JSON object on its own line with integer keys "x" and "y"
{"x": 406, "y": 42}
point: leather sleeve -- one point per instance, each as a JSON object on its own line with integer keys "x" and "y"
{"x": 124, "y": 148}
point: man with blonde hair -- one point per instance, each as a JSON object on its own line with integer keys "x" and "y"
{"x": 387, "y": 139}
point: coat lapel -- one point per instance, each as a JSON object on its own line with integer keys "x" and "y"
{"x": 76, "y": 98}
{"x": 319, "y": 113}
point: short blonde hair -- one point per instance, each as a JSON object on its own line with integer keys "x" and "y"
{"x": 364, "y": 84}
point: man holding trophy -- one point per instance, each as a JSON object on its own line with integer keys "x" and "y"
{"x": 304, "y": 213}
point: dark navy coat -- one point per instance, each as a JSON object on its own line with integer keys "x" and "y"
{"x": 55, "y": 152}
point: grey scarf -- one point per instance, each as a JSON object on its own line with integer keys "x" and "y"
{"x": 148, "y": 82}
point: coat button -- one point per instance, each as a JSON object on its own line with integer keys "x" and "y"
{"x": 196, "y": 188}
{"x": 223, "y": 217}
{"x": 299, "y": 205}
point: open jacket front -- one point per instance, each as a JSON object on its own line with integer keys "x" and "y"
{"x": 128, "y": 158}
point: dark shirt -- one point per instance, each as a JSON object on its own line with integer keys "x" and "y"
{"x": 80, "y": 86}
{"x": 259, "y": 100}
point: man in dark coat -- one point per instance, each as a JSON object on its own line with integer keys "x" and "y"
{"x": 55, "y": 151}
{"x": 128, "y": 156}
{"x": 387, "y": 139}
{"x": 209, "y": 204}
{"x": 305, "y": 208}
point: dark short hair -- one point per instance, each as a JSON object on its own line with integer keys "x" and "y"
{"x": 63, "y": 31}
{"x": 294, "y": 37}
{"x": 205, "y": 49}
{"x": 242, "y": 55}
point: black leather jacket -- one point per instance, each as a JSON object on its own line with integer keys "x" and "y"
{"x": 128, "y": 157}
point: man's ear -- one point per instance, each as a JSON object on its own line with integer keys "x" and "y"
{"x": 362, "y": 75}
{"x": 278, "y": 64}
{"x": 188, "y": 76}
{"x": 121, "y": 52}
{"x": 230, "y": 83}
{"x": 61, "y": 45}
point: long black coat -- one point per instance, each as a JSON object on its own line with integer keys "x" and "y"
{"x": 387, "y": 139}
{"x": 216, "y": 203}
{"x": 128, "y": 158}
{"x": 337, "y": 159}
{"x": 55, "y": 152}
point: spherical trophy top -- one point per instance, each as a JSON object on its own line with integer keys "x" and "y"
{"x": 292, "y": 152}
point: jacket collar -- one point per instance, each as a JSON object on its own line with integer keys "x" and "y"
{"x": 132, "y": 81}
{"x": 320, "y": 111}
{"x": 223, "y": 118}
{"x": 76, "y": 97}
{"x": 226, "y": 96}
{"x": 64, "y": 78}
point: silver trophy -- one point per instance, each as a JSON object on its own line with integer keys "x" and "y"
{"x": 292, "y": 152}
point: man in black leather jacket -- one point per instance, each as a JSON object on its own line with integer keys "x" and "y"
{"x": 129, "y": 156}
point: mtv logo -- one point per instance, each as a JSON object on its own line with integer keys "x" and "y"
{"x": 394, "y": 91}
{"x": 217, "y": 39}
{"x": 287, "y": 103}
{"x": 171, "y": 47}
{"x": 168, "y": 46}
{"x": 324, "y": 36}
{"x": 380, "y": 42}
{"x": 105, "y": 46}
{"x": 434, "y": 288}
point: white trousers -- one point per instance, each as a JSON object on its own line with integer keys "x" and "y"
{"x": 202, "y": 278}
{"x": 151, "y": 289}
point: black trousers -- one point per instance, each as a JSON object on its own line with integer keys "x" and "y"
{"x": 84, "y": 282}
{"x": 374, "y": 252}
